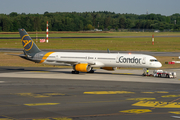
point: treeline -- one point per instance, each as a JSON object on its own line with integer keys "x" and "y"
{"x": 66, "y": 21}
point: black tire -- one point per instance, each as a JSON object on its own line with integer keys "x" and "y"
{"x": 91, "y": 71}
{"x": 159, "y": 75}
{"x": 75, "y": 72}
{"x": 167, "y": 76}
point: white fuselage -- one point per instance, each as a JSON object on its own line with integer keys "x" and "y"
{"x": 103, "y": 59}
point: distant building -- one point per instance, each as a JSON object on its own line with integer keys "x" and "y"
{"x": 97, "y": 29}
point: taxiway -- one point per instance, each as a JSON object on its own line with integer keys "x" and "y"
{"x": 53, "y": 93}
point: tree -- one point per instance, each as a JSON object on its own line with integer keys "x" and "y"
{"x": 6, "y": 24}
{"x": 74, "y": 21}
{"x": 37, "y": 23}
{"x": 89, "y": 27}
{"x": 13, "y": 14}
{"x": 46, "y": 12}
{"x": 107, "y": 21}
{"x": 128, "y": 23}
{"x": 109, "y": 27}
{"x": 122, "y": 22}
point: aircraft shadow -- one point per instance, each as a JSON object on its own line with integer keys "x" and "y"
{"x": 39, "y": 69}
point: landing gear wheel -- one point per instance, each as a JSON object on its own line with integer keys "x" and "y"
{"x": 75, "y": 72}
{"x": 159, "y": 75}
{"x": 144, "y": 74}
{"x": 91, "y": 71}
{"x": 167, "y": 76}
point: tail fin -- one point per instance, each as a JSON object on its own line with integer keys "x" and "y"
{"x": 29, "y": 46}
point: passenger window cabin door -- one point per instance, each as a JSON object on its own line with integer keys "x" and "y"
{"x": 57, "y": 57}
{"x": 144, "y": 60}
{"x": 117, "y": 58}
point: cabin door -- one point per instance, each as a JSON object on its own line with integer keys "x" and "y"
{"x": 117, "y": 59}
{"x": 144, "y": 60}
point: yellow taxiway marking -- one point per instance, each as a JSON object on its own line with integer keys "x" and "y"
{"x": 137, "y": 111}
{"x": 148, "y": 92}
{"x": 171, "y": 96}
{"x": 158, "y": 104}
{"x": 156, "y": 92}
{"x": 174, "y": 112}
{"x": 41, "y": 104}
{"x": 108, "y": 92}
{"x": 32, "y": 95}
{"x": 141, "y": 99}
{"x": 161, "y": 92}
{"x": 35, "y": 95}
{"x": 42, "y": 119}
{"x": 97, "y": 101}
{"x": 53, "y": 94}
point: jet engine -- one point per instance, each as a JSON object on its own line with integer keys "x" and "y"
{"x": 109, "y": 68}
{"x": 82, "y": 67}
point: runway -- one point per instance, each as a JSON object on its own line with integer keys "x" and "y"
{"x": 53, "y": 93}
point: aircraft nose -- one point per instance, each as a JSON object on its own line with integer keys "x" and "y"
{"x": 159, "y": 64}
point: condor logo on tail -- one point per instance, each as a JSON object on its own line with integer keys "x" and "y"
{"x": 27, "y": 42}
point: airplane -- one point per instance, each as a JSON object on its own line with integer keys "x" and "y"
{"x": 85, "y": 62}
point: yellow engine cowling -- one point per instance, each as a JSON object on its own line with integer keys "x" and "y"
{"x": 82, "y": 67}
{"x": 109, "y": 68}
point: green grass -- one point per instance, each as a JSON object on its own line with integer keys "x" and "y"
{"x": 91, "y": 34}
{"x": 167, "y": 44}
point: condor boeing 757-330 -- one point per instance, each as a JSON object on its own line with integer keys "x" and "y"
{"x": 84, "y": 62}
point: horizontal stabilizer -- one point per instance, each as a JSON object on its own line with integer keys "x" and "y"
{"x": 11, "y": 54}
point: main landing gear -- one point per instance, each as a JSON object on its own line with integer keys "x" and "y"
{"x": 91, "y": 71}
{"x": 75, "y": 72}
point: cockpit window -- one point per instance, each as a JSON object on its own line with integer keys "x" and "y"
{"x": 153, "y": 60}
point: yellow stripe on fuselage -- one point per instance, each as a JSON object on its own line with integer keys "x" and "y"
{"x": 45, "y": 57}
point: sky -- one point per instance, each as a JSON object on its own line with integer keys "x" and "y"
{"x": 163, "y": 7}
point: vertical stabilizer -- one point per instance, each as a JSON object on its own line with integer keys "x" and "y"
{"x": 29, "y": 46}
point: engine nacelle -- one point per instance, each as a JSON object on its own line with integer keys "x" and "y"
{"x": 109, "y": 68}
{"x": 82, "y": 67}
